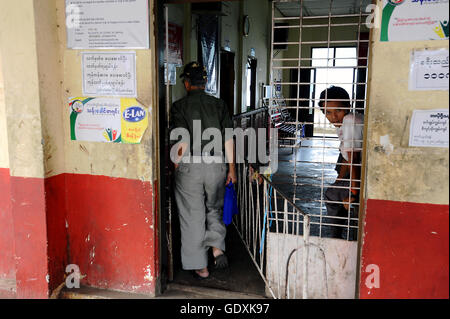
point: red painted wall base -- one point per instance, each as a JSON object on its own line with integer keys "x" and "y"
{"x": 106, "y": 226}
{"x": 112, "y": 232}
{"x": 7, "y": 266}
{"x": 409, "y": 244}
{"x": 30, "y": 237}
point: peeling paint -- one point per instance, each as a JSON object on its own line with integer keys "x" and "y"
{"x": 47, "y": 278}
{"x": 387, "y": 146}
{"x": 92, "y": 255}
{"x": 148, "y": 275}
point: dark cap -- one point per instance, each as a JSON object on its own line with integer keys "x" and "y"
{"x": 334, "y": 93}
{"x": 196, "y": 73}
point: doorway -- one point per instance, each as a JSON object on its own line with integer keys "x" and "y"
{"x": 227, "y": 79}
{"x": 241, "y": 275}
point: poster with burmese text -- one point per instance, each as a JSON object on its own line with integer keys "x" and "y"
{"x": 415, "y": 20}
{"x": 108, "y": 120}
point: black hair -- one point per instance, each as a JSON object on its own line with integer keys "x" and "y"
{"x": 335, "y": 93}
{"x": 195, "y": 73}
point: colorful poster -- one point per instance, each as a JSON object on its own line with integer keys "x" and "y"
{"x": 429, "y": 70}
{"x": 109, "y": 120}
{"x": 111, "y": 24}
{"x": 414, "y": 20}
{"x": 429, "y": 128}
{"x": 109, "y": 74}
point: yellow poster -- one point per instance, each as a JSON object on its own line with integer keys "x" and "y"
{"x": 134, "y": 121}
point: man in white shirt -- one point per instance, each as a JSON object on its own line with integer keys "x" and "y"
{"x": 335, "y": 103}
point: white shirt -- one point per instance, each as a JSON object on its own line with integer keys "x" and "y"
{"x": 350, "y": 133}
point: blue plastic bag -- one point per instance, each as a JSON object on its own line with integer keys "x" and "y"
{"x": 230, "y": 207}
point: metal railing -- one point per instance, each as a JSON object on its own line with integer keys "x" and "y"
{"x": 259, "y": 202}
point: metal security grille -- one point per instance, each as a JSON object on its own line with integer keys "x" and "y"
{"x": 285, "y": 219}
{"x": 327, "y": 44}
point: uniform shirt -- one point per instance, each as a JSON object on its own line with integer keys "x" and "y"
{"x": 209, "y": 110}
{"x": 350, "y": 133}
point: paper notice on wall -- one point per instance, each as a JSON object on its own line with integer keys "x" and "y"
{"x": 109, "y": 120}
{"x": 429, "y": 128}
{"x": 429, "y": 70}
{"x": 109, "y": 74}
{"x": 107, "y": 24}
{"x": 414, "y": 20}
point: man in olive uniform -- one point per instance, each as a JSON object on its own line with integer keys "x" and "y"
{"x": 200, "y": 186}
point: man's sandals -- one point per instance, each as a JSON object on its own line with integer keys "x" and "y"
{"x": 197, "y": 276}
{"x": 221, "y": 261}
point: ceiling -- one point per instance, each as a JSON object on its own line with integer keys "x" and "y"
{"x": 321, "y": 7}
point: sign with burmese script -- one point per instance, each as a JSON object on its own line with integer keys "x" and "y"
{"x": 107, "y": 120}
{"x": 107, "y": 24}
{"x": 414, "y": 20}
{"x": 109, "y": 74}
{"x": 429, "y": 70}
{"x": 429, "y": 128}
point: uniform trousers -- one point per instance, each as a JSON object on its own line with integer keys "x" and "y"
{"x": 199, "y": 194}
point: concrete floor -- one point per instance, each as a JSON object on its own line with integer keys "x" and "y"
{"x": 174, "y": 291}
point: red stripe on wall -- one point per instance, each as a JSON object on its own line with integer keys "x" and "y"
{"x": 104, "y": 225}
{"x": 409, "y": 244}
{"x": 57, "y": 235}
{"x": 112, "y": 232}
{"x": 29, "y": 216}
{"x": 7, "y": 267}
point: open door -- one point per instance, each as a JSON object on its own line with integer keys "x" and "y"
{"x": 227, "y": 78}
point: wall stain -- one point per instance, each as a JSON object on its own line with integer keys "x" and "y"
{"x": 84, "y": 149}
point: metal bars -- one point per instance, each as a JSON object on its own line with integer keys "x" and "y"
{"x": 282, "y": 213}
{"x": 308, "y": 176}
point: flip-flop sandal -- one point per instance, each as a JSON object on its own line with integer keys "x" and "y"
{"x": 197, "y": 276}
{"x": 221, "y": 261}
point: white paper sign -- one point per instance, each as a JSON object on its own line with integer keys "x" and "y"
{"x": 107, "y": 24}
{"x": 109, "y": 74}
{"x": 429, "y": 70}
{"x": 429, "y": 128}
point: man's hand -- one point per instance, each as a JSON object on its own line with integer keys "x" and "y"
{"x": 231, "y": 175}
